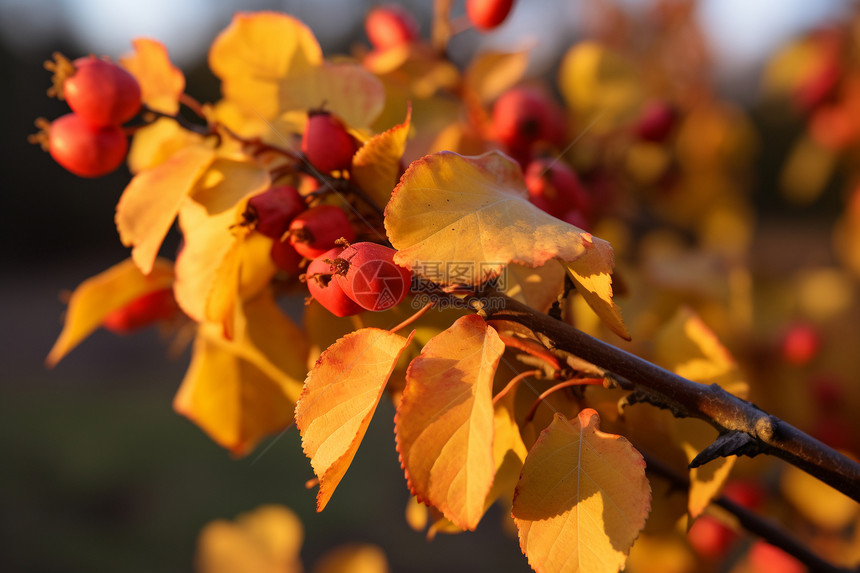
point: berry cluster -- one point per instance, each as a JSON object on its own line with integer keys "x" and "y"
{"x": 90, "y": 141}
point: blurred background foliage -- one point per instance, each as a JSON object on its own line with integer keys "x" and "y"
{"x": 101, "y": 475}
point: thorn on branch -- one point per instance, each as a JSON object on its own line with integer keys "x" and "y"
{"x": 731, "y": 443}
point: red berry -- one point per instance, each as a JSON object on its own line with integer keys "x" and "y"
{"x": 84, "y": 149}
{"x": 272, "y": 210}
{"x": 522, "y": 116}
{"x": 315, "y": 231}
{"x": 487, "y": 14}
{"x": 373, "y": 279}
{"x": 101, "y": 92}
{"x": 142, "y": 311}
{"x": 656, "y": 121}
{"x": 285, "y": 256}
{"x": 555, "y": 188}
{"x": 326, "y": 290}
{"x": 765, "y": 558}
{"x": 746, "y": 493}
{"x": 800, "y": 344}
{"x": 390, "y": 26}
{"x": 326, "y": 143}
{"x": 710, "y": 538}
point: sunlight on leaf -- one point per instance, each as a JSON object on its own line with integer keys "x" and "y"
{"x": 339, "y": 398}
{"x": 592, "y": 276}
{"x": 161, "y": 83}
{"x": 475, "y": 210}
{"x": 152, "y": 199}
{"x": 98, "y": 296}
{"x": 444, "y": 423}
{"x": 353, "y": 558}
{"x": 157, "y": 142}
{"x": 240, "y": 390}
{"x": 538, "y": 288}
{"x": 206, "y": 219}
{"x": 582, "y": 498}
{"x": 376, "y": 166}
{"x": 265, "y": 540}
{"x": 493, "y": 73}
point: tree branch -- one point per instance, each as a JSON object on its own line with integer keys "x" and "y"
{"x": 726, "y": 412}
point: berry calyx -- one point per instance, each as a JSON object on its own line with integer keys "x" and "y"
{"x": 324, "y": 289}
{"x": 390, "y": 26}
{"x": 141, "y": 312}
{"x": 521, "y": 117}
{"x": 373, "y": 280}
{"x": 270, "y": 212}
{"x": 98, "y": 91}
{"x": 326, "y": 143}
{"x": 315, "y": 231}
{"x": 80, "y": 147}
{"x": 488, "y": 14}
{"x": 556, "y": 189}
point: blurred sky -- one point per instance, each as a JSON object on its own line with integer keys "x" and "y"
{"x": 742, "y": 32}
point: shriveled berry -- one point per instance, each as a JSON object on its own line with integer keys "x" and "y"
{"x": 84, "y": 149}
{"x": 554, "y": 187}
{"x": 373, "y": 279}
{"x": 325, "y": 289}
{"x": 488, "y": 14}
{"x": 272, "y": 210}
{"x": 315, "y": 231}
{"x": 285, "y": 256}
{"x": 141, "y": 312}
{"x": 521, "y": 116}
{"x": 326, "y": 143}
{"x": 656, "y": 122}
{"x": 390, "y": 26}
{"x": 101, "y": 92}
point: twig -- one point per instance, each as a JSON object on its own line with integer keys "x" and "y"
{"x": 727, "y": 413}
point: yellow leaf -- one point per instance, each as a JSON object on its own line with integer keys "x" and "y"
{"x": 807, "y": 171}
{"x": 98, "y": 296}
{"x": 538, "y": 288}
{"x": 686, "y": 346}
{"x": 206, "y": 218}
{"x": 157, "y": 142}
{"x": 444, "y": 423}
{"x": 582, "y": 498}
{"x": 474, "y": 211}
{"x": 266, "y": 540}
{"x": 152, "y": 199}
{"x": 353, "y": 558}
{"x": 492, "y": 73}
{"x": 592, "y": 277}
{"x": 339, "y": 398}
{"x": 376, "y": 166}
{"x": 240, "y": 390}
{"x": 816, "y": 501}
{"x": 598, "y": 83}
{"x": 347, "y": 90}
{"x": 255, "y": 52}
{"x": 161, "y": 83}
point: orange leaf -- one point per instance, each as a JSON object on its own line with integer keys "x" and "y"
{"x": 475, "y": 210}
{"x": 240, "y": 390}
{"x": 538, "y": 288}
{"x": 339, "y": 398}
{"x": 206, "y": 218}
{"x": 161, "y": 83}
{"x": 376, "y": 166}
{"x": 582, "y": 498}
{"x": 265, "y": 540}
{"x": 98, "y": 296}
{"x": 444, "y": 423}
{"x": 152, "y": 199}
{"x": 592, "y": 277}
{"x": 353, "y": 558}
{"x": 157, "y": 142}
